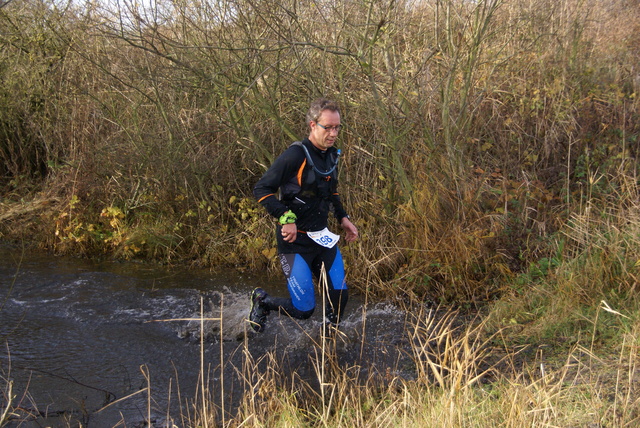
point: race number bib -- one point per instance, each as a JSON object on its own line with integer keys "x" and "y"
{"x": 324, "y": 237}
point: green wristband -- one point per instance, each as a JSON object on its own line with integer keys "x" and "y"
{"x": 288, "y": 217}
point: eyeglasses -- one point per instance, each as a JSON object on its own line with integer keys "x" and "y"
{"x": 330, "y": 128}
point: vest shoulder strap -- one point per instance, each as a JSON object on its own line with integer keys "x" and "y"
{"x": 310, "y": 161}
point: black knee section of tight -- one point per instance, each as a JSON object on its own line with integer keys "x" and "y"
{"x": 285, "y": 306}
{"x": 303, "y": 315}
{"x": 337, "y": 302}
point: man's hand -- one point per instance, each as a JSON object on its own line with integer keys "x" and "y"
{"x": 289, "y": 232}
{"x": 350, "y": 229}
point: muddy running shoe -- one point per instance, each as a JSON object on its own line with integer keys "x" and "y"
{"x": 258, "y": 313}
{"x": 331, "y": 317}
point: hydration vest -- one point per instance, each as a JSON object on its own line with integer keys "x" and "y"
{"x": 311, "y": 182}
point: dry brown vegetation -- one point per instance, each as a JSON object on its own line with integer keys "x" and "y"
{"x": 461, "y": 377}
{"x": 490, "y": 150}
{"x": 473, "y": 129}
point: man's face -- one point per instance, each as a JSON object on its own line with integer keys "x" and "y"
{"x": 324, "y": 138}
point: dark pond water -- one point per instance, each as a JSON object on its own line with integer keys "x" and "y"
{"x": 82, "y": 341}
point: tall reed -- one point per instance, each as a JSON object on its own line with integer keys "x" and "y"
{"x": 463, "y": 377}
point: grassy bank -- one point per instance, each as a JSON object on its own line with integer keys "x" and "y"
{"x": 464, "y": 379}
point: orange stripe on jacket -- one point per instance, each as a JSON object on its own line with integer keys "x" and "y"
{"x": 300, "y": 171}
{"x": 265, "y": 197}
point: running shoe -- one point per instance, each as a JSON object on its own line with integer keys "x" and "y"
{"x": 258, "y": 313}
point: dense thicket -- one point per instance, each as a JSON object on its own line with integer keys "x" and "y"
{"x": 473, "y": 130}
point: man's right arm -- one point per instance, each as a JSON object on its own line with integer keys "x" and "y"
{"x": 265, "y": 190}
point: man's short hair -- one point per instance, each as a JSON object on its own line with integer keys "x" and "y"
{"x": 318, "y": 106}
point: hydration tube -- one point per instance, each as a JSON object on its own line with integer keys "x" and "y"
{"x": 308, "y": 155}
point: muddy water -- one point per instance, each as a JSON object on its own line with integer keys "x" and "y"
{"x": 102, "y": 344}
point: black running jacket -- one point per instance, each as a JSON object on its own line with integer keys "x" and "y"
{"x": 291, "y": 184}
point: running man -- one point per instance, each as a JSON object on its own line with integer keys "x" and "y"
{"x": 305, "y": 175}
